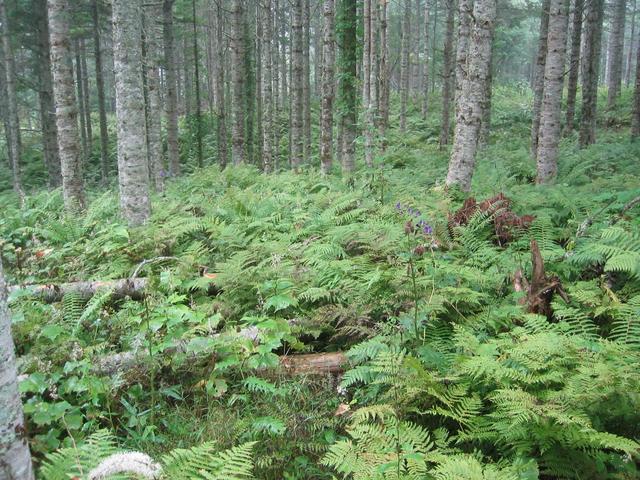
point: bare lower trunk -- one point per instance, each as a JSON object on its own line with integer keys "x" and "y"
{"x": 635, "y": 120}
{"x": 102, "y": 108}
{"x": 80, "y": 101}
{"x": 86, "y": 102}
{"x": 632, "y": 42}
{"x": 223, "y": 149}
{"x": 471, "y": 99}
{"x": 171, "y": 94}
{"x": 13, "y": 136}
{"x": 383, "y": 85}
{"x": 447, "y": 75}
{"x": 348, "y": 81}
{"x": 550, "y": 123}
{"x": 66, "y": 107}
{"x": 538, "y": 75}
{"x": 45, "y": 96}
{"x": 465, "y": 9}
{"x": 616, "y": 51}
{"x": 133, "y": 169}
{"x": 267, "y": 87}
{"x": 15, "y": 458}
{"x": 196, "y": 63}
{"x": 326, "y": 115}
{"x": 297, "y": 89}
{"x": 591, "y": 71}
{"x": 153, "y": 110}
{"x": 237, "y": 80}
{"x": 306, "y": 80}
{"x": 404, "y": 64}
{"x": 574, "y": 63}
{"x": 425, "y": 78}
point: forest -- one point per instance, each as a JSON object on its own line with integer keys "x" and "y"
{"x": 319, "y": 239}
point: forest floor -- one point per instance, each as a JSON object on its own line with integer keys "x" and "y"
{"x": 428, "y": 311}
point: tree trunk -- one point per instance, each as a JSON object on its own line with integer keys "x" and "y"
{"x": 383, "y": 85}
{"x": 306, "y": 82}
{"x": 102, "y": 111}
{"x": 404, "y": 64}
{"x": 447, "y": 75}
{"x": 632, "y": 41}
{"x": 171, "y": 95}
{"x": 14, "y": 146}
{"x": 153, "y": 110}
{"x": 591, "y": 71}
{"x": 425, "y": 73}
{"x": 196, "y": 62}
{"x": 80, "y": 100}
{"x": 616, "y": 51}
{"x": 635, "y": 120}
{"x": 465, "y": 8}
{"x": 284, "y": 73}
{"x": 223, "y": 149}
{"x": 15, "y": 458}
{"x": 366, "y": 53}
{"x": 538, "y": 75}
{"x": 86, "y": 99}
{"x": 574, "y": 63}
{"x": 133, "y": 170}
{"x": 471, "y": 99}
{"x": 369, "y": 79}
{"x": 297, "y": 87}
{"x": 45, "y": 96}
{"x": 66, "y": 107}
{"x": 348, "y": 80}
{"x": 237, "y": 81}
{"x": 550, "y": 123}
{"x": 267, "y": 87}
{"x": 326, "y": 115}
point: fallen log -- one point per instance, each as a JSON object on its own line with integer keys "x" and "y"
{"x": 313, "y": 363}
{"x": 49, "y": 293}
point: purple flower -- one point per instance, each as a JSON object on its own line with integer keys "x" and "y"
{"x": 427, "y": 230}
{"x": 417, "y": 213}
{"x": 398, "y": 206}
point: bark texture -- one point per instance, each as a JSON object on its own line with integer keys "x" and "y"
{"x": 471, "y": 100}
{"x": 574, "y": 63}
{"x": 591, "y": 71}
{"x": 550, "y": 123}
{"x": 221, "y": 106}
{"x": 447, "y": 75}
{"x": 14, "y": 146}
{"x": 465, "y": 12}
{"x": 538, "y": 75}
{"x": 100, "y": 87}
{"x": 45, "y": 97}
{"x": 297, "y": 73}
{"x": 404, "y": 64}
{"x": 635, "y": 120}
{"x": 133, "y": 170}
{"x": 616, "y": 51}
{"x": 66, "y": 107}
{"x": 425, "y": 73}
{"x": 267, "y": 86}
{"x": 15, "y": 458}
{"x": 328, "y": 59}
{"x": 237, "y": 81}
{"x": 306, "y": 79}
{"x": 383, "y": 85}
{"x": 171, "y": 93}
{"x": 348, "y": 81}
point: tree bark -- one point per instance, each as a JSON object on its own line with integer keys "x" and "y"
{"x": 574, "y": 63}
{"x": 465, "y": 10}
{"x": 66, "y": 107}
{"x": 14, "y": 146}
{"x": 133, "y": 170}
{"x": 196, "y": 63}
{"x": 348, "y": 80}
{"x": 102, "y": 110}
{"x": 86, "y": 99}
{"x": 171, "y": 94}
{"x": 267, "y": 86}
{"x": 471, "y": 99}
{"x": 15, "y": 458}
{"x": 635, "y": 120}
{"x": 370, "y": 79}
{"x": 237, "y": 81}
{"x": 404, "y": 64}
{"x": 306, "y": 82}
{"x": 80, "y": 99}
{"x": 297, "y": 88}
{"x": 447, "y": 75}
{"x": 591, "y": 71}
{"x": 221, "y": 132}
{"x": 45, "y": 96}
{"x": 153, "y": 109}
{"x": 425, "y": 73}
{"x": 550, "y": 123}
{"x": 632, "y": 41}
{"x": 383, "y": 84}
{"x": 538, "y": 75}
{"x": 616, "y": 51}
{"x": 326, "y": 115}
